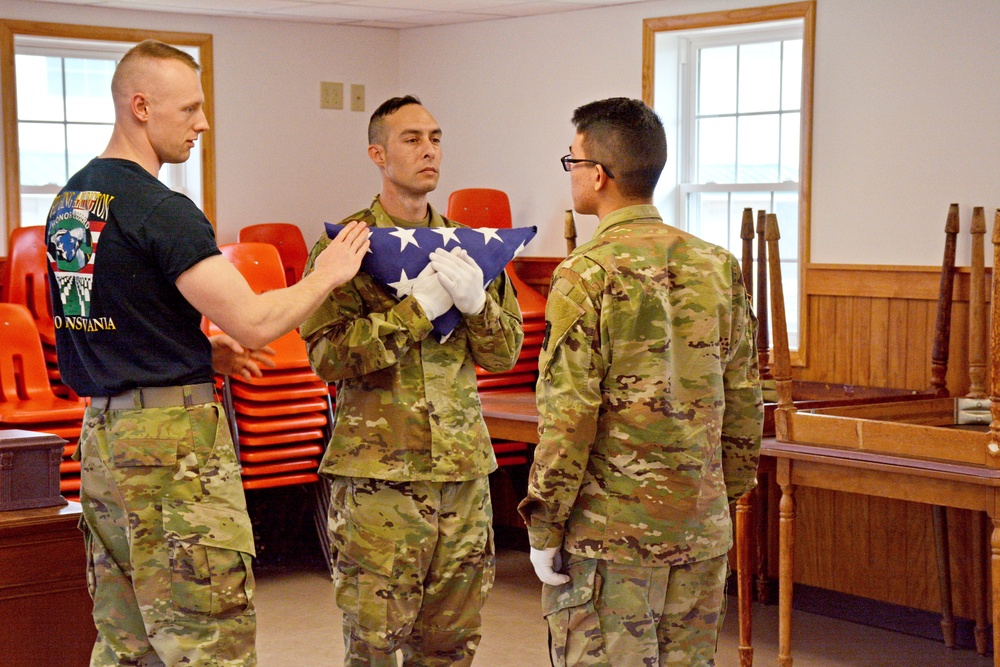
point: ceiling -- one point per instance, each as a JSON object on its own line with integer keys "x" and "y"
{"x": 398, "y": 14}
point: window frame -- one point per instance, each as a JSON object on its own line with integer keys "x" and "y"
{"x": 8, "y": 88}
{"x": 806, "y": 11}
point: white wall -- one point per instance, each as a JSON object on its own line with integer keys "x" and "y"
{"x": 906, "y": 114}
{"x": 279, "y": 156}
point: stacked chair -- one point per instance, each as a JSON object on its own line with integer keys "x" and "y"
{"x": 484, "y": 207}
{"x": 27, "y": 401}
{"x": 288, "y": 239}
{"x": 27, "y": 281}
{"x": 280, "y": 421}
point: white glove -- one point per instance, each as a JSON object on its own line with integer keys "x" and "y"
{"x": 431, "y": 294}
{"x": 546, "y": 562}
{"x": 462, "y": 277}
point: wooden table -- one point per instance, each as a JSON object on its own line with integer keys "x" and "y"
{"x": 935, "y": 482}
{"x": 44, "y": 604}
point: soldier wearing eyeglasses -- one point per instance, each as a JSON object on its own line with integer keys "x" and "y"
{"x": 650, "y": 415}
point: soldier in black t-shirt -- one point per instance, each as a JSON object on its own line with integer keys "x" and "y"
{"x": 133, "y": 267}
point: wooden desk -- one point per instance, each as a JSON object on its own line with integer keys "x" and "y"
{"x": 45, "y": 609}
{"x": 928, "y": 481}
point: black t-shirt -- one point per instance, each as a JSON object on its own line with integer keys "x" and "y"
{"x": 117, "y": 241}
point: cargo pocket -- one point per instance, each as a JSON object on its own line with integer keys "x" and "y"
{"x": 364, "y": 583}
{"x": 574, "y": 627}
{"x": 149, "y": 438}
{"x": 211, "y": 549}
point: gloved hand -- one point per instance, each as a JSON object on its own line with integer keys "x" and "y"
{"x": 546, "y": 562}
{"x": 462, "y": 277}
{"x": 431, "y": 294}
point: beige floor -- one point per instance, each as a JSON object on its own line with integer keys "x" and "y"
{"x": 299, "y": 626}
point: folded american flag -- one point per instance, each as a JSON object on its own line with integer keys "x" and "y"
{"x": 398, "y": 254}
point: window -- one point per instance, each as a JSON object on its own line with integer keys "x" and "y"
{"x": 64, "y": 113}
{"x": 734, "y": 90}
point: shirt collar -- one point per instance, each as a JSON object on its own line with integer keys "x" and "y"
{"x": 382, "y": 219}
{"x": 639, "y": 213}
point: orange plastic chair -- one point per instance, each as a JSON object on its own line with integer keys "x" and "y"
{"x": 260, "y": 265}
{"x": 25, "y": 394}
{"x": 27, "y": 278}
{"x": 485, "y": 207}
{"x": 288, "y": 239}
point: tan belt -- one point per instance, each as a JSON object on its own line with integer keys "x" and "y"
{"x": 157, "y": 397}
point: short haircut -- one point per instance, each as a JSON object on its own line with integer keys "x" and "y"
{"x": 149, "y": 49}
{"x": 376, "y": 126}
{"x": 628, "y": 137}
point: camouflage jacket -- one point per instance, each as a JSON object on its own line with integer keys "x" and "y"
{"x": 649, "y": 401}
{"x": 407, "y": 407}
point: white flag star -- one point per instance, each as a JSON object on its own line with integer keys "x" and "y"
{"x": 447, "y": 235}
{"x": 490, "y": 234}
{"x": 405, "y": 237}
{"x": 403, "y": 286}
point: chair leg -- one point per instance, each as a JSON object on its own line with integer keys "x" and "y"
{"x": 944, "y": 574}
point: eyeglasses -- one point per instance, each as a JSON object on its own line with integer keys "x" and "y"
{"x": 568, "y": 161}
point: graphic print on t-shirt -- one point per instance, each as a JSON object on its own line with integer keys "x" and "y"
{"x": 75, "y": 223}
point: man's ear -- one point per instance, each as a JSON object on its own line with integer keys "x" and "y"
{"x": 140, "y": 107}
{"x": 601, "y": 179}
{"x": 377, "y": 154}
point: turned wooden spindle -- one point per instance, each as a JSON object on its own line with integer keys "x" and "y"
{"x": 977, "y": 389}
{"x": 745, "y": 505}
{"x": 993, "y": 460}
{"x": 977, "y": 308}
{"x": 763, "y": 340}
{"x": 782, "y": 356}
{"x": 746, "y": 261}
{"x": 993, "y": 449}
{"x": 786, "y": 529}
{"x": 942, "y": 329}
{"x": 569, "y": 231}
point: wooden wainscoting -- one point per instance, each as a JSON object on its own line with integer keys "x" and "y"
{"x": 874, "y": 326}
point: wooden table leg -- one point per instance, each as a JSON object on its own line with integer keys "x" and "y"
{"x": 940, "y": 517}
{"x": 786, "y": 542}
{"x": 995, "y": 570}
{"x": 979, "y": 582}
{"x": 744, "y": 576}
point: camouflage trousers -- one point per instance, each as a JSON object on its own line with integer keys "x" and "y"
{"x": 168, "y": 538}
{"x": 414, "y": 566}
{"x": 616, "y": 615}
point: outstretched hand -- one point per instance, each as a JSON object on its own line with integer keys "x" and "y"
{"x": 231, "y": 358}
{"x": 340, "y": 261}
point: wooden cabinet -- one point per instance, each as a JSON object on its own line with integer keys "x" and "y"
{"x": 45, "y": 609}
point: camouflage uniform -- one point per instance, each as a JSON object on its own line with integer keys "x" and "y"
{"x": 650, "y": 420}
{"x": 169, "y": 542}
{"x": 410, "y": 514}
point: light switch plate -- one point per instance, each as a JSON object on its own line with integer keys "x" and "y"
{"x": 357, "y": 97}
{"x": 331, "y": 95}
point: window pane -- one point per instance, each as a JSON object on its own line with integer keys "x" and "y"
{"x": 39, "y": 87}
{"x": 760, "y": 77}
{"x": 790, "y": 147}
{"x": 88, "y": 90}
{"x": 84, "y": 143}
{"x": 717, "y": 80}
{"x": 35, "y": 208}
{"x": 786, "y": 208}
{"x": 708, "y": 216}
{"x": 716, "y": 150}
{"x": 757, "y": 201}
{"x": 43, "y": 153}
{"x": 758, "y": 149}
{"x": 791, "y": 76}
{"x": 790, "y": 290}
